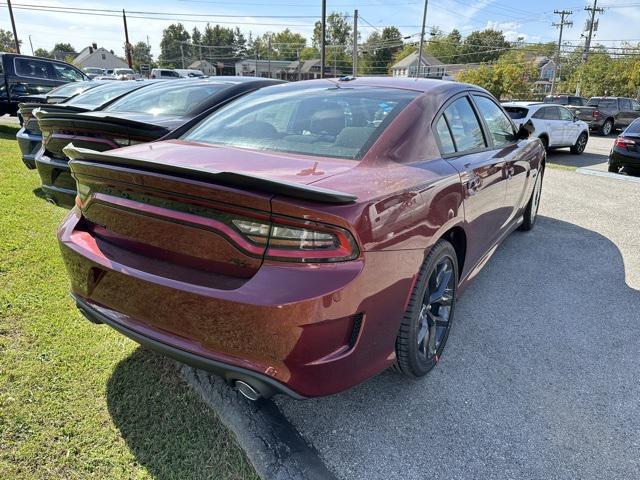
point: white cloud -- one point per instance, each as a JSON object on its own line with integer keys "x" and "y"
{"x": 510, "y": 30}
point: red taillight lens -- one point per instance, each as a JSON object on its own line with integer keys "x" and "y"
{"x": 596, "y": 114}
{"x": 299, "y": 242}
{"x": 623, "y": 142}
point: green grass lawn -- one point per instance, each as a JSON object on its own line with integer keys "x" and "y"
{"x": 78, "y": 400}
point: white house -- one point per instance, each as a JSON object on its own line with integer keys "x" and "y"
{"x": 407, "y": 67}
{"x": 205, "y": 67}
{"x": 93, "y": 56}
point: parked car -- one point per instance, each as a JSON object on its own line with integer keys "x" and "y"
{"x": 307, "y": 236}
{"x": 554, "y": 125}
{"x": 24, "y": 76}
{"x": 576, "y": 106}
{"x": 30, "y": 137}
{"x": 626, "y": 149}
{"x": 93, "y": 72}
{"x": 189, "y": 73}
{"x": 165, "y": 74}
{"x": 125, "y": 74}
{"x": 139, "y": 117}
{"x": 609, "y": 113}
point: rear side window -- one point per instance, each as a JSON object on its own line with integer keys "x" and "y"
{"x": 34, "y": 68}
{"x": 558, "y": 100}
{"x": 577, "y": 101}
{"x": 169, "y": 73}
{"x": 500, "y": 127}
{"x": 464, "y": 125}
{"x": 444, "y": 135}
{"x": 634, "y": 128}
{"x": 172, "y": 99}
{"x": 607, "y": 103}
{"x": 547, "y": 113}
{"x": 332, "y": 122}
{"x": 625, "y": 104}
{"x": 517, "y": 113}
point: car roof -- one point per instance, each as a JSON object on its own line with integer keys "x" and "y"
{"x": 526, "y": 104}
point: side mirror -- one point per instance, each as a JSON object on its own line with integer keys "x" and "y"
{"x": 525, "y": 130}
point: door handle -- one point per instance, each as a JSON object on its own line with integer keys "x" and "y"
{"x": 473, "y": 182}
{"x": 510, "y": 171}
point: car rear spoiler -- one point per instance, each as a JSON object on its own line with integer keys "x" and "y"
{"x": 234, "y": 179}
{"x": 68, "y": 117}
{"x": 55, "y": 108}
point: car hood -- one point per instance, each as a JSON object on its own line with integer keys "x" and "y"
{"x": 279, "y": 166}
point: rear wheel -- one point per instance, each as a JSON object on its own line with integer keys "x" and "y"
{"x": 607, "y": 127}
{"x": 427, "y": 322}
{"x": 613, "y": 168}
{"x": 531, "y": 211}
{"x": 581, "y": 144}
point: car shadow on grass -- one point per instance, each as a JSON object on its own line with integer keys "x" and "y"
{"x": 167, "y": 427}
{"x": 539, "y": 375}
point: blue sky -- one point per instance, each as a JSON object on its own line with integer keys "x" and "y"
{"x": 531, "y": 20}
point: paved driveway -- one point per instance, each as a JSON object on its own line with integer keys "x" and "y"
{"x": 541, "y": 375}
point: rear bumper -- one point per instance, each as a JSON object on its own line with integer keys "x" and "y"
{"x": 312, "y": 330}
{"x": 29, "y": 144}
{"x": 57, "y": 183}
{"x": 266, "y": 385}
{"x": 626, "y": 159}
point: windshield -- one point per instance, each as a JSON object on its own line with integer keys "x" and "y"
{"x": 71, "y": 89}
{"x": 92, "y": 70}
{"x": 123, "y": 71}
{"x": 517, "y": 113}
{"x": 634, "y": 128}
{"x": 103, "y": 94}
{"x": 333, "y": 122}
{"x": 176, "y": 98}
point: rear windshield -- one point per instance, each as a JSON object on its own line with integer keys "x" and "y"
{"x": 517, "y": 113}
{"x": 603, "y": 102}
{"x": 171, "y": 99}
{"x": 71, "y": 89}
{"x": 332, "y": 122}
{"x": 103, "y": 94}
{"x": 634, "y": 128}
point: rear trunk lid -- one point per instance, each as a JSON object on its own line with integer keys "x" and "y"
{"x": 185, "y": 217}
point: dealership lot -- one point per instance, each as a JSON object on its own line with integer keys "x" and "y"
{"x": 539, "y": 376}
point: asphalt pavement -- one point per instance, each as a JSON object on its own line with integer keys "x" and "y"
{"x": 540, "y": 377}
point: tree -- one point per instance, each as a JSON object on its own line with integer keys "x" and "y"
{"x": 7, "y": 43}
{"x": 141, "y": 54}
{"x": 338, "y": 39}
{"x": 285, "y": 45}
{"x": 196, "y": 36}
{"x": 511, "y": 76}
{"x": 309, "y": 53}
{"x": 379, "y": 50}
{"x": 173, "y": 37}
{"x": 41, "y": 52}
{"x": 483, "y": 46}
{"x": 445, "y": 48}
{"x": 63, "y": 51}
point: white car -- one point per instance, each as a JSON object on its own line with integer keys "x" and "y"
{"x": 190, "y": 73}
{"x": 164, "y": 74}
{"x": 555, "y": 125}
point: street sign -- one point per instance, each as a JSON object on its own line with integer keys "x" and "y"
{"x": 144, "y": 67}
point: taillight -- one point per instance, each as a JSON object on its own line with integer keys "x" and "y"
{"x": 596, "y": 114}
{"x": 299, "y": 241}
{"x": 623, "y": 142}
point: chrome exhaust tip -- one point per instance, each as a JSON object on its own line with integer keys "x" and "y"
{"x": 51, "y": 201}
{"x": 247, "y": 391}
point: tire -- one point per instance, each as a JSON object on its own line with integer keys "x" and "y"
{"x": 531, "y": 211}
{"x": 545, "y": 142}
{"x": 581, "y": 144}
{"x": 416, "y": 355}
{"x": 613, "y": 168}
{"x": 607, "y": 127}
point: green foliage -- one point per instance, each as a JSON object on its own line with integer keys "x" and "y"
{"x": 483, "y": 46}
{"x": 41, "y": 52}
{"x": 338, "y": 40}
{"x": 379, "y": 51}
{"x": 309, "y": 53}
{"x": 604, "y": 75}
{"x": 285, "y": 45}
{"x": 170, "y": 53}
{"x": 7, "y": 43}
{"x": 142, "y": 54}
{"x": 445, "y": 48}
{"x": 509, "y": 77}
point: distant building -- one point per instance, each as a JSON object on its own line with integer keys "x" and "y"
{"x": 285, "y": 69}
{"x": 310, "y": 69}
{"x": 431, "y": 67}
{"x": 546, "y": 66}
{"x": 205, "y": 67}
{"x": 93, "y": 56}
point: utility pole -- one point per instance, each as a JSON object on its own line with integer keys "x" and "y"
{"x": 355, "y": 42}
{"x": 127, "y": 45}
{"x": 322, "y": 37}
{"x": 591, "y": 26}
{"x": 424, "y": 20}
{"x": 269, "y": 54}
{"x": 13, "y": 25}
{"x": 563, "y": 14}
{"x": 31, "y": 43}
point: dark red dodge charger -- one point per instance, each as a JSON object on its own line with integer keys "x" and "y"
{"x": 306, "y": 236}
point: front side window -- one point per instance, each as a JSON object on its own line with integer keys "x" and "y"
{"x": 500, "y": 127}
{"x": 105, "y": 93}
{"x": 565, "y": 115}
{"x": 464, "y": 125}
{"x": 635, "y": 105}
{"x": 166, "y": 99}
{"x": 332, "y": 122}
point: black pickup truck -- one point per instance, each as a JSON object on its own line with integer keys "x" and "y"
{"x": 23, "y": 76}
